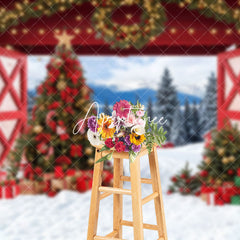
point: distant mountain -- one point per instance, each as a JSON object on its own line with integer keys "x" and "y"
{"x": 102, "y": 94}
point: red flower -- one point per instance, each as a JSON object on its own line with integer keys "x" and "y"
{"x": 63, "y": 160}
{"x": 120, "y": 147}
{"x": 174, "y": 179}
{"x": 76, "y": 150}
{"x": 230, "y": 172}
{"x": 204, "y": 173}
{"x": 109, "y": 143}
{"x": 54, "y": 105}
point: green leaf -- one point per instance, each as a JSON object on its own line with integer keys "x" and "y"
{"x": 104, "y": 148}
{"x": 106, "y": 157}
{"x": 132, "y": 156}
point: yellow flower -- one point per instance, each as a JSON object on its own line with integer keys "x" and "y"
{"x": 104, "y": 122}
{"x": 137, "y": 139}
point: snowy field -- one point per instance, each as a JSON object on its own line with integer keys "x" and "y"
{"x": 65, "y": 217}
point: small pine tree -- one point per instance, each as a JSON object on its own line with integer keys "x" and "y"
{"x": 187, "y": 116}
{"x": 150, "y": 108}
{"x": 166, "y": 101}
{"x": 195, "y": 135}
{"x": 177, "y": 129}
{"x": 185, "y": 183}
{"x": 106, "y": 109}
{"x": 208, "y": 108}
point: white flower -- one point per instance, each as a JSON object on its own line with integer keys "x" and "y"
{"x": 138, "y": 129}
{"x": 94, "y": 138}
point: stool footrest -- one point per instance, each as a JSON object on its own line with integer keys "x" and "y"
{"x": 149, "y": 198}
{"x": 145, "y": 225}
{"x": 115, "y": 190}
{"x": 106, "y": 238}
{"x": 104, "y": 195}
{"x": 143, "y": 180}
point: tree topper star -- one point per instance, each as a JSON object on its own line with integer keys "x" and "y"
{"x": 64, "y": 39}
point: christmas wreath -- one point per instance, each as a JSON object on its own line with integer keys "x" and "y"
{"x": 137, "y": 34}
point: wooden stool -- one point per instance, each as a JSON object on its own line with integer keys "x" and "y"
{"x": 99, "y": 193}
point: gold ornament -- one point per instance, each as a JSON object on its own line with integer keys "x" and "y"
{"x": 88, "y": 150}
{"x": 221, "y": 151}
{"x": 37, "y": 129}
{"x": 90, "y": 161}
{"x": 225, "y": 160}
{"x": 231, "y": 159}
{"x": 207, "y": 160}
{"x": 64, "y": 39}
{"x": 61, "y": 85}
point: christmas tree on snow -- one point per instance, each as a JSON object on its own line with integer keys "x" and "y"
{"x": 63, "y": 99}
{"x": 166, "y": 101}
{"x": 208, "y": 108}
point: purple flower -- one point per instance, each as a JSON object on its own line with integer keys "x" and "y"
{"x": 127, "y": 140}
{"x": 92, "y": 124}
{"x": 126, "y": 149}
{"x": 136, "y": 148}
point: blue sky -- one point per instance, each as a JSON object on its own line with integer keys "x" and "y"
{"x": 130, "y": 73}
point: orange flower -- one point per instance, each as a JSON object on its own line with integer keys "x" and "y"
{"x": 104, "y": 122}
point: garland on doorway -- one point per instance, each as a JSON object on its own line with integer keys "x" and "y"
{"x": 132, "y": 33}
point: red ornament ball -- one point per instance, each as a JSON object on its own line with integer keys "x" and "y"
{"x": 204, "y": 173}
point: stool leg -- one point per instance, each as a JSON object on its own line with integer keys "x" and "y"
{"x": 136, "y": 199}
{"x": 95, "y": 198}
{"x": 117, "y": 198}
{"x": 158, "y": 202}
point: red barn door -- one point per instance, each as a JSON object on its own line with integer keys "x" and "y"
{"x": 229, "y": 88}
{"x": 13, "y": 98}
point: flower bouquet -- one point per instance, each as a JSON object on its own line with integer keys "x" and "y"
{"x": 127, "y": 130}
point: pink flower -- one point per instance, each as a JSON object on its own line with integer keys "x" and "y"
{"x": 140, "y": 122}
{"x": 131, "y": 120}
{"x": 122, "y": 108}
{"x": 140, "y": 113}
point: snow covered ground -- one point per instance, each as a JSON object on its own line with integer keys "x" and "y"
{"x": 65, "y": 217}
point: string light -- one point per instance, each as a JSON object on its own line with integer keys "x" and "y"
{"x": 173, "y": 30}
{"x": 213, "y": 31}
{"x": 191, "y": 31}
{"x": 78, "y": 18}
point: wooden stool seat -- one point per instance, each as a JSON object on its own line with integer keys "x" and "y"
{"x": 99, "y": 192}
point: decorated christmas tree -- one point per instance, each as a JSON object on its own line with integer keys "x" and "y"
{"x": 185, "y": 182}
{"x": 63, "y": 100}
{"x": 221, "y": 156}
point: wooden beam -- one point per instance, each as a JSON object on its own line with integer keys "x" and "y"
{"x": 149, "y": 198}
{"x": 106, "y": 238}
{"x": 145, "y": 225}
{"x": 111, "y": 234}
{"x": 115, "y": 190}
{"x": 104, "y": 195}
{"x": 143, "y": 180}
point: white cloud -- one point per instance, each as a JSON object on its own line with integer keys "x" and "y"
{"x": 189, "y": 73}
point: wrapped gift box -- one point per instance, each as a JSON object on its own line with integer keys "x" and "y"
{"x": 235, "y": 200}
{"x": 237, "y": 181}
{"x": 27, "y": 186}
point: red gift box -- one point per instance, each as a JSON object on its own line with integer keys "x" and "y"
{"x": 83, "y": 183}
{"x": 3, "y": 175}
{"x": 58, "y": 172}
